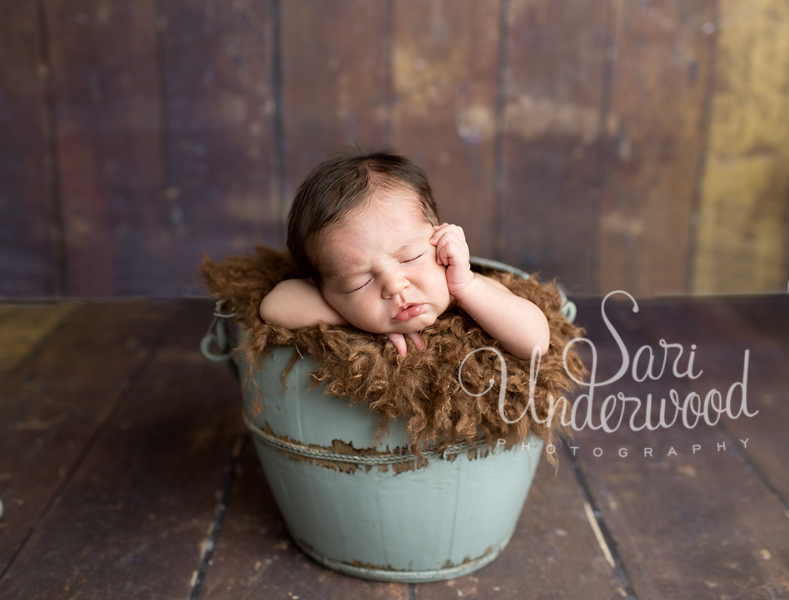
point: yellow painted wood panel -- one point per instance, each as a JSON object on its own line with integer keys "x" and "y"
{"x": 742, "y": 230}
{"x": 22, "y": 326}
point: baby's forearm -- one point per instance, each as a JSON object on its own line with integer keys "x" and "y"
{"x": 296, "y": 303}
{"x": 518, "y": 324}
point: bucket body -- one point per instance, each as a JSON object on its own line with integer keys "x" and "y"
{"x": 352, "y": 511}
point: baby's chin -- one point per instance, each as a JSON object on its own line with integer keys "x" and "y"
{"x": 414, "y": 325}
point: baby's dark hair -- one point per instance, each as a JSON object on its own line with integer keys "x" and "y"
{"x": 342, "y": 183}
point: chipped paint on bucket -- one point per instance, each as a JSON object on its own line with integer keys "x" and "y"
{"x": 426, "y": 520}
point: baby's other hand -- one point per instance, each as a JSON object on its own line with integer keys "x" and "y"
{"x": 398, "y": 339}
{"x": 452, "y": 251}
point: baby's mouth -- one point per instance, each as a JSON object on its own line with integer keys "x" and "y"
{"x": 408, "y": 311}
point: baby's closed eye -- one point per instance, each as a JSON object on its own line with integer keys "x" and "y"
{"x": 365, "y": 284}
{"x": 402, "y": 262}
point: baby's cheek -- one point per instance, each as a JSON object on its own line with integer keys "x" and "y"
{"x": 337, "y": 305}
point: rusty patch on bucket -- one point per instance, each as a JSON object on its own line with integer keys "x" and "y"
{"x": 342, "y": 447}
{"x": 450, "y": 565}
{"x": 257, "y": 408}
{"x": 364, "y": 565}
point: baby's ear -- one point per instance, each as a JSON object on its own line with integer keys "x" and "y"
{"x": 315, "y": 280}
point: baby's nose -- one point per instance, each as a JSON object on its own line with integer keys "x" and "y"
{"x": 394, "y": 284}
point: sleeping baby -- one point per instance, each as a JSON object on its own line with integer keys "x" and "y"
{"x": 365, "y": 229}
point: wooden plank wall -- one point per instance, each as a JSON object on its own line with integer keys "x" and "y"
{"x": 612, "y": 144}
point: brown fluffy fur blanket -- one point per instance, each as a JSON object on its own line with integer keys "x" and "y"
{"x": 423, "y": 386}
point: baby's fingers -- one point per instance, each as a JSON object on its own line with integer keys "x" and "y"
{"x": 445, "y": 251}
{"x": 398, "y": 339}
{"x": 439, "y": 230}
{"x": 442, "y": 230}
{"x": 451, "y": 248}
{"x": 399, "y": 343}
{"x": 416, "y": 337}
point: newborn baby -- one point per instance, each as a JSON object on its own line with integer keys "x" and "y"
{"x": 366, "y": 230}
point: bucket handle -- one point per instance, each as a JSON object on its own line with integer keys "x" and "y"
{"x": 217, "y": 334}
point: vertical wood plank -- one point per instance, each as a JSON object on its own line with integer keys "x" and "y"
{"x": 107, "y": 97}
{"x": 742, "y": 233}
{"x": 661, "y": 57}
{"x": 552, "y": 138}
{"x": 222, "y": 191}
{"x": 445, "y": 80}
{"x": 28, "y": 225}
{"x": 335, "y": 82}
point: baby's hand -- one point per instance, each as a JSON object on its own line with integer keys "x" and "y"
{"x": 398, "y": 339}
{"x": 452, "y": 251}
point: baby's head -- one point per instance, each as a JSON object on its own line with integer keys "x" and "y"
{"x": 342, "y": 184}
{"x": 360, "y": 225}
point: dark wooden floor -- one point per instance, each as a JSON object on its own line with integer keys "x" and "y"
{"x": 124, "y": 471}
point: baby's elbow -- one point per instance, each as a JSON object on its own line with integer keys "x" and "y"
{"x": 544, "y": 341}
{"x": 270, "y": 311}
{"x": 541, "y": 339}
{"x": 264, "y": 310}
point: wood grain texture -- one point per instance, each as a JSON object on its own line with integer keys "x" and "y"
{"x": 445, "y": 78}
{"x": 336, "y": 81}
{"x": 24, "y": 326}
{"x": 660, "y": 59}
{"x": 734, "y": 533}
{"x": 551, "y": 178}
{"x": 29, "y": 225}
{"x": 742, "y": 233}
{"x": 116, "y": 436}
{"x": 222, "y": 192}
{"x": 722, "y": 336}
{"x": 135, "y": 515}
{"x": 108, "y": 135}
{"x": 612, "y": 144}
{"x": 54, "y": 404}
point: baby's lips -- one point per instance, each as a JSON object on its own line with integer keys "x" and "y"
{"x": 409, "y": 311}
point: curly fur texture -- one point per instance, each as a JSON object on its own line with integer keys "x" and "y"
{"x": 423, "y": 386}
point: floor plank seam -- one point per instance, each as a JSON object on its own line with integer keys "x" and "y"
{"x": 126, "y": 388}
{"x": 618, "y": 566}
{"x": 215, "y": 528}
{"x": 754, "y": 468}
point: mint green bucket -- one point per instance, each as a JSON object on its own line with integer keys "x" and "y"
{"x": 368, "y": 509}
{"x": 365, "y": 506}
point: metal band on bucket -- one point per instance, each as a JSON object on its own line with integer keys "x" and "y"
{"x": 359, "y": 459}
